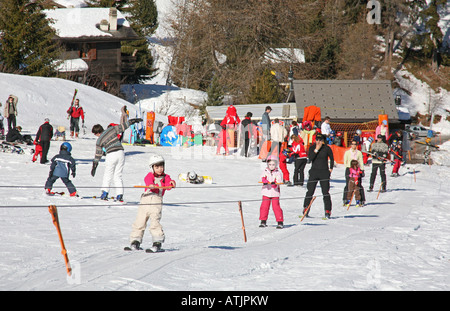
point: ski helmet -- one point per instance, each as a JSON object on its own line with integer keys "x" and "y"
{"x": 155, "y": 159}
{"x": 66, "y": 146}
{"x": 192, "y": 175}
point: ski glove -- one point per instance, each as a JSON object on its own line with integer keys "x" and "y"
{"x": 136, "y": 120}
{"x": 73, "y": 174}
{"x": 94, "y": 168}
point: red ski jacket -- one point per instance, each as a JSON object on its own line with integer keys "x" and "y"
{"x": 75, "y": 112}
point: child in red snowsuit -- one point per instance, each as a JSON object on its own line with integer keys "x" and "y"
{"x": 37, "y": 151}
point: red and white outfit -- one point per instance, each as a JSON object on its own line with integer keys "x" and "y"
{"x": 271, "y": 194}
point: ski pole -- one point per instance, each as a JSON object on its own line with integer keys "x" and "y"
{"x": 54, "y": 212}
{"x": 154, "y": 187}
{"x": 307, "y": 210}
{"x": 351, "y": 199}
{"x": 380, "y": 189}
{"x": 242, "y": 219}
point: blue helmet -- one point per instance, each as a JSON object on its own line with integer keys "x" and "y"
{"x": 66, "y": 146}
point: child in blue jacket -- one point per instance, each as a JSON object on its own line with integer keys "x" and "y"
{"x": 60, "y": 167}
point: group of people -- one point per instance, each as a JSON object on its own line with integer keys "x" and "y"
{"x": 320, "y": 155}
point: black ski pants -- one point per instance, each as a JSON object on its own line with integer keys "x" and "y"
{"x": 51, "y": 180}
{"x": 322, "y": 176}
{"x": 375, "y": 167}
{"x": 74, "y": 125}
{"x": 299, "y": 171}
{"x": 45, "y": 144}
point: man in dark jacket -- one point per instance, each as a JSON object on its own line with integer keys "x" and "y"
{"x": 43, "y": 137}
{"x": 320, "y": 172}
{"x": 14, "y": 135}
{"x": 248, "y": 131}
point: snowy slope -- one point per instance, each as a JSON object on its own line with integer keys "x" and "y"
{"x": 41, "y": 98}
{"x": 399, "y": 241}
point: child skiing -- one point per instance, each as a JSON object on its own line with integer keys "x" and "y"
{"x": 353, "y": 183}
{"x": 151, "y": 206}
{"x": 60, "y": 167}
{"x": 270, "y": 178}
{"x": 397, "y": 154}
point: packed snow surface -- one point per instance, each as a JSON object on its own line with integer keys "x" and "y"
{"x": 398, "y": 241}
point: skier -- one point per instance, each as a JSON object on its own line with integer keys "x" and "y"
{"x": 270, "y": 178}
{"x": 397, "y": 155}
{"x": 318, "y": 154}
{"x": 354, "y": 177}
{"x": 301, "y": 159}
{"x": 115, "y": 157}
{"x": 151, "y": 205}
{"x": 353, "y": 154}
{"x": 61, "y": 165}
{"x": 75, "y": 112}
{"x": 380, "y": 150}
{"x": 43, "y": 137}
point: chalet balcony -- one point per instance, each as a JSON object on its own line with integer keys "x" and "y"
{"x": 128, "y": 65}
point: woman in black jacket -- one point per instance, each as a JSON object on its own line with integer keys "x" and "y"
{"x": 320, "y": 171}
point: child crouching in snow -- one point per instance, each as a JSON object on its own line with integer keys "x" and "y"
{"x": 270, "y": 178}
{"x": 151, "y": 206}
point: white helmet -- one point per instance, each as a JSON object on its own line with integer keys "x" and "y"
{"x": 155, "y": 159}
{"x": 192, "y": 175}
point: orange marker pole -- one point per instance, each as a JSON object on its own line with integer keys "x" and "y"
{"x": 54, "y": 212}
{"x": 307, "y": 210}
{"x": 242, "y": 219}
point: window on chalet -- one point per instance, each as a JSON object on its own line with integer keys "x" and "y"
{"x": 88, "y": 51}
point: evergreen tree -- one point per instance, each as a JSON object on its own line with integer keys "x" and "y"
{"x": 27, "y": 44}
{"x": 265, "y": 90}
{"x": 215, "y": 95}
{"x": 143, "y": 18}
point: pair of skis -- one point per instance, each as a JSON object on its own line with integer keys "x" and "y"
{"x": 73, "y": 100}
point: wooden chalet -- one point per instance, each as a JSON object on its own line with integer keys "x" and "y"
{"x": 91, "y": 40}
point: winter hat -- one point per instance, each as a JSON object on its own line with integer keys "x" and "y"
{"x": 46, "y": 120}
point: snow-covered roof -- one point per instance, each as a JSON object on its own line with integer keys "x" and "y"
{"x": 71, "y": 3}
{"x": 82, "y": 22}
{"x": 71, "y": 65}
{"x": 285, "y": 55}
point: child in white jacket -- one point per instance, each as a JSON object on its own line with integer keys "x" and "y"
{"x": 271, "y": 178}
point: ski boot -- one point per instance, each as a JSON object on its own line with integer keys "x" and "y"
{"x": 358, "y": 203}
{"x": 263, "y": 224}
{"x": 155, "y": 248}
{"x": 134, "y": 246}
{"x": 347, "y": 203}
{"x": 104, "y": 196}
{"x": 280, "y": 225}
{"x": 74, "y": 194}
{"x": 327, "y": 215}
{"x": 49, "y": 192}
